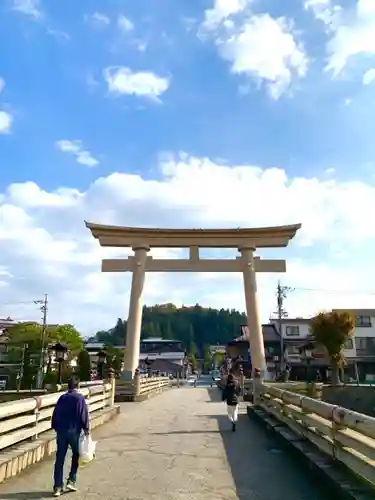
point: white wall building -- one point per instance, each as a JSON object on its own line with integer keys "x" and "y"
{"x": 296, "y": 331}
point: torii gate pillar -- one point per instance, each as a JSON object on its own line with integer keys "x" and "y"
{"x": 258, "y": 358}
{"x": 134, "y": 323}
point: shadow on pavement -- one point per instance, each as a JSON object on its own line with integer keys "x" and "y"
{"x": 27, "y": 495}
{"x": 260, "y": 469}
{"x": 214, "y": 394}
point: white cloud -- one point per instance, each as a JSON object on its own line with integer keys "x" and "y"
{"x": 351, "y": 30}
{"x": 5, "y": 122}
{"x": 369, "y": 77}
{"x": 46, "y": 248}
{"x": 330, "y": 171}
{"x": 323, "y": 10}
{"x": 75, "y": 148}
{"x": 258, "y": 46}
{"x": 122, "y": 80}
{"x": 2, "y": 84}
{"x": 222, "y": 10}
{"x": 30, "y": 8}
{"x": 100, "y": 19}
{"x": 124, "y": 23}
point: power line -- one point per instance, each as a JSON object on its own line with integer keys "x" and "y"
{"x": 29, "y": 302}
{"x": 333, "y": 292}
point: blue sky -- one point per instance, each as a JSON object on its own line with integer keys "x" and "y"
{"x": 270, "y": 99}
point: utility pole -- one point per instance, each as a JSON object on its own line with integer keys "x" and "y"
{"x": 22, "y": 371}
{"x": 281, "y": 293}
{"x": 44, "y": 309}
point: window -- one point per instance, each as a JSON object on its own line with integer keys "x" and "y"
{"x": 361, "y": 342}
{"x": 349, "y": 344}
{"x": 293, "y": 349}
{"x": 292, "y": 331}
{"x": 363, "y": 321}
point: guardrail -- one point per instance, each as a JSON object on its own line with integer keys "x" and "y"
{"x": 29, "y": 418}
{"x": 140, "y": 388}
{"x": 345, "y": 435}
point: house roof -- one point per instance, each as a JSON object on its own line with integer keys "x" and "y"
{"x": 270, "y": 333}
{"x": 285, "y": 321}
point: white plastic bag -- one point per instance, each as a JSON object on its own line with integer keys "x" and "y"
{"x": 87, "y": 449}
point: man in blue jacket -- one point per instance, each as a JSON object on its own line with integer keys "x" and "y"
{"x": 70, "y": 417}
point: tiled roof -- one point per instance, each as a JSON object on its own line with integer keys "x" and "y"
{"x": 270, "y": 333}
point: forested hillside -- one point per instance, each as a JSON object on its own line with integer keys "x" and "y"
{"x": 194, "y": 325}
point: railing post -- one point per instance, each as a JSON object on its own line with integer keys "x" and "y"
{"x": 257, "y": 384}
{"x": 137, "y": 382}
{"x": 38, "y": 404}
{"x": 242, "y": 382}
{"x": 112, "y": 381}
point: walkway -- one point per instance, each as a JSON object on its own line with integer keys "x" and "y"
{"x": 177, "y": 446}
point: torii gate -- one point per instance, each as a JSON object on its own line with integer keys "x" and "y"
{"x": 141, "y": 240}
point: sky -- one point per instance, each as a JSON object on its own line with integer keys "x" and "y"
{"x": 174, "y": 113}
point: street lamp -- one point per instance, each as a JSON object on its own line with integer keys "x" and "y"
{"x": 60, "y": 350}
{"x": 102, "y": 356}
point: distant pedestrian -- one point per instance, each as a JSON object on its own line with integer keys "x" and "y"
{"x": 70, "y": 417}
{"x": 231, "y": 396}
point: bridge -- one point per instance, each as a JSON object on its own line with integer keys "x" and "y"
{"x": 178, "y": 445}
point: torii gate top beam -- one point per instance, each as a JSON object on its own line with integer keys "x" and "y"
{"x": 263, "y": 237}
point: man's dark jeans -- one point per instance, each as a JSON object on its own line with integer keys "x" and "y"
{"x": 63, "y": 441}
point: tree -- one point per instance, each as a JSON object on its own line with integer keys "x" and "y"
{"x": 119, "y": 333}
{"x": 84, "y": 365}
{"x": 69, "y": 335}
{"x": 114, "y": 358}
{"x": 193, "y": 362}
{"x": 169, "y": 333}
{"x": 30, "y": 334}
{"x": 332, "y": 330}
{"x": 194, "y": 326}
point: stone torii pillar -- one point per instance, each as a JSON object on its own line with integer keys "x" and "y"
{"x": 258, "y": 358}
{"x": 134, "y": 324}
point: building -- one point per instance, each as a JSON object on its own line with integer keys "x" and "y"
{"x": 359, "y": 351}
{"x": 362, "y": 345}
{"x": 161, "y": 355}
{"x": 239, "y": 349}
{"x": 6, "y": 368}
{"x": 166, "y": 356}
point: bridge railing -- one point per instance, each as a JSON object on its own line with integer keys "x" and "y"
{"x": 26, "y": 419}
{"x": 345, "y": 435}
{"x": 140, "y": 387}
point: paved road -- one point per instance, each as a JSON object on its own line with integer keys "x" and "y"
{"x": 177, "y": 446}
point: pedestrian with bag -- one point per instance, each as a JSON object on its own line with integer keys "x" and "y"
{"x": 70, "y": 418}
{"x": 231, "y": 395}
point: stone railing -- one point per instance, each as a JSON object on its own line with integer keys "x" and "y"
{"x": 141, "y": 388}
{"x": 25, "y": 425}
{"x": 344, "y": 435}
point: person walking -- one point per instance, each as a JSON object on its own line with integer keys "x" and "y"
{"x": 70, "y": 417}
{"x": 231, "y": 395}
